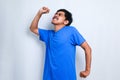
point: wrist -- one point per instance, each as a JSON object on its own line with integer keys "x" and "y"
{"x": 40, "y": 12}
{"x": 87, "y": 69}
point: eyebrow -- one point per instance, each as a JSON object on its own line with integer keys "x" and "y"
{"x": 60, "y": 13}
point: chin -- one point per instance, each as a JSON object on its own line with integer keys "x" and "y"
{"x": 53, "y": 22}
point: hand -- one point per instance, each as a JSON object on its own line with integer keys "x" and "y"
{"x": 44, "y": 10}
{"x": 84, "y": 74}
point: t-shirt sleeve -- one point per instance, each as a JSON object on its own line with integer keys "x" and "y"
{"x": 77, "y": 38}
{"x": 43, "y": 34}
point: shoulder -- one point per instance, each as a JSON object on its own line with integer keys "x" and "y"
{"x": 39, "y": 29}
{"x": 71, "y": 29}
{"x": 44, "y": 31}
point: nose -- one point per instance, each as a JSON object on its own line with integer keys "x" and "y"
{"x": 56, "y": 15}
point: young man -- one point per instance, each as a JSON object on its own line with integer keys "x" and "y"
{"x": 61, "y": 46}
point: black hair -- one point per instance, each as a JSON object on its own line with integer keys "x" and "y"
{"x": 68, "y": 15}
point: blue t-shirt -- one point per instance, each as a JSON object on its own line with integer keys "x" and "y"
{"x": 60, "y": 52}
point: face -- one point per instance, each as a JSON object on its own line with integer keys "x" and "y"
{"x": 59, "y": 18}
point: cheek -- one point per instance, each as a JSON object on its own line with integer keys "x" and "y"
{"x": 62, "y": 19}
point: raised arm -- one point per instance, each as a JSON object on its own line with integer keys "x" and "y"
{"x": 34, "y": 24}
{"x": 88, "y": 57}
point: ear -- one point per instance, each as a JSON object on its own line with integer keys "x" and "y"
{"x": 66, "y": 22}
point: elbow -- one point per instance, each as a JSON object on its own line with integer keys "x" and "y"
{"x": 88, "y": 50}
{"x": 86, "y": 47}
{"x": 31, "y": 29}
{"x": 34, "y": 29}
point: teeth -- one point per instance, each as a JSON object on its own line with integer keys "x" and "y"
{"x": 55, "y": 18}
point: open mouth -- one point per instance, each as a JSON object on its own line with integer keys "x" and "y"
{"x": 55, "y": 18}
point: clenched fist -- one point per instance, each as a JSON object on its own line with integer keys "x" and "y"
{"x": 84, "y": 74}
{"x": 44, "y": 10}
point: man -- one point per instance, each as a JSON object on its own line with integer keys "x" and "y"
{"x": 61, "y": 46}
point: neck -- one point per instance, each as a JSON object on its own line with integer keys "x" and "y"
{"x": 58, "y": 27}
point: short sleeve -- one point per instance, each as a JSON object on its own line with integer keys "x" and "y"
{"x": 77, "y": 38}
{"x": 43, "y": 34}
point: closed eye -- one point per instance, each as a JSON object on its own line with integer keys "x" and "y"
{"x": 59, "y": 14}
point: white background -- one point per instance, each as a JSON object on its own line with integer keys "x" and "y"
{"x": 22, "y": 54}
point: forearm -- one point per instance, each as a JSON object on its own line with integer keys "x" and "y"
{"x": 34, "y": 24}
{"x": 88, "y": 59}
